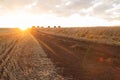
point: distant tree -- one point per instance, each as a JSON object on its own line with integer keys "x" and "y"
{"x": 54, "y": 26}
{"x": 59, "y": 26}
{"x": 48, "y": 26}
{"x": 42, "y": 26}
{"x": 38, "y": 26}
{"x": 33, "y": 26}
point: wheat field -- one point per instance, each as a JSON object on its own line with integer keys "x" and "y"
{"x": 109, "y": 35}
{"x": 21, "y": 58}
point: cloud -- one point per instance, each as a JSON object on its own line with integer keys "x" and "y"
{"x": 107, "y": 9}
{"x": 10, "y": 6}
{"x": 70, "y": 7}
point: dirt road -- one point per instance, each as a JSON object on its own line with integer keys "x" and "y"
{"x": 81, "y": 60}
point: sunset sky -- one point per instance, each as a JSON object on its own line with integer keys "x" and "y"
{"x": 59, "y": 12}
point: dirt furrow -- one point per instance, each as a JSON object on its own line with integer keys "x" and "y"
{"x": 95, "y": 61}
{"x": 28, "y": 61}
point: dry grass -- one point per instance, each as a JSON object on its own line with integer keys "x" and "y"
{"x": 21, "y": 58}
{"x": 99, "y": 34}
{"x": 8, "y": 40}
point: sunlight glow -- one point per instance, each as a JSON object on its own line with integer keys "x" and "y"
{"x": 26, "y": 20}
{"x": 23, "y": 28}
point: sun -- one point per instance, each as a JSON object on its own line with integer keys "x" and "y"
{"x": 23, "y": 28}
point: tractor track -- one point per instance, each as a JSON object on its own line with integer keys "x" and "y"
{"x": 5, "y": 58}
{"x": 81, "y": 60}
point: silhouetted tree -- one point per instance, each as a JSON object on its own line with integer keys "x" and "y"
{"x": 54, "y": 26}
{"x": 38, "y": 26}
{"x": 42, "y": 26}
{"x": 33, "y": 26}
{"x": 48, "y": 26}
{"x": 59, "y": 26}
